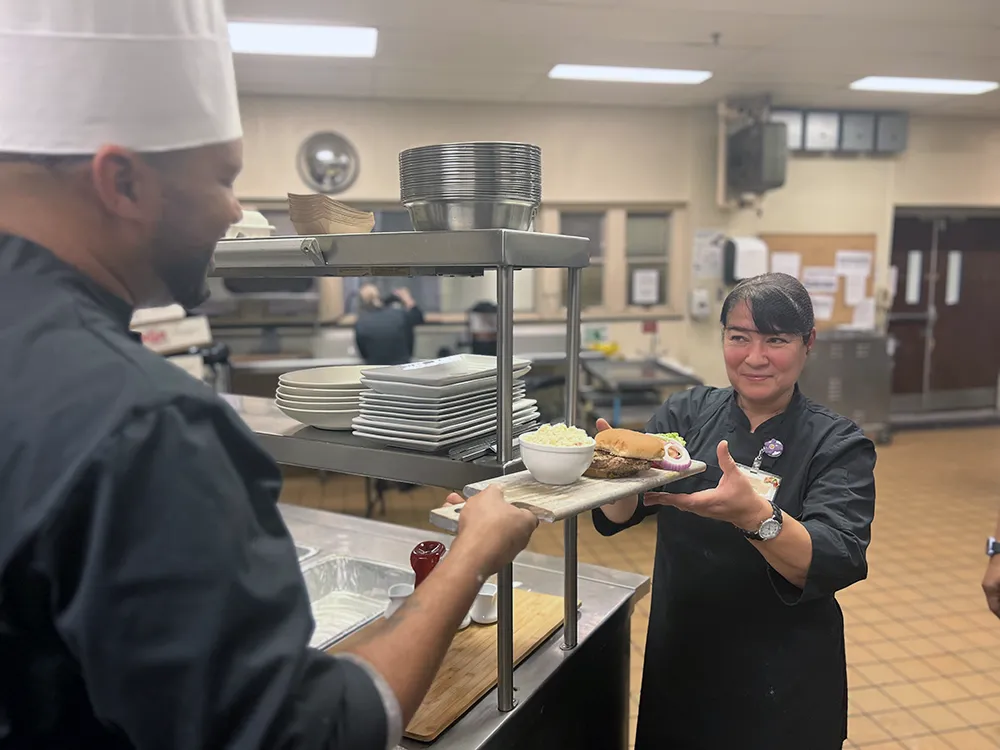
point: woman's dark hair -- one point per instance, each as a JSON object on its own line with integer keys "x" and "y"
{"x": 778, "y": 304}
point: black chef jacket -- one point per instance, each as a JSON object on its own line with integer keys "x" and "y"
{"x": 150, "y": 595}
{"x": 736, "y": 656}
{"x": 386, "y": 336}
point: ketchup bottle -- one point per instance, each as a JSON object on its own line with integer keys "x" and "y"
{"x": 424, "y": 558}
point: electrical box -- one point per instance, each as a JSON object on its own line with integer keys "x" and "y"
{"x": 891, "y": 133}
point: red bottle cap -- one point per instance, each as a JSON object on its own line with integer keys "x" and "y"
{"x": 424, "y": 558}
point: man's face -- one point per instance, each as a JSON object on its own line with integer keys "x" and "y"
{"x": 197, "y": 207}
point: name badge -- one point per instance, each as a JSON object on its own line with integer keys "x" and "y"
{"x": 764, "y": 483}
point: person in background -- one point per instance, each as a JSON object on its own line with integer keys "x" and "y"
{"x": 746, "y": 639}
{"x": 991, "y": 581}
{"x": 150, "y": 593}
{"x": 385, "y": 332}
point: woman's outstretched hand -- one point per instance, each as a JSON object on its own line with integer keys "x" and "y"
{"x": 733, "y": 500}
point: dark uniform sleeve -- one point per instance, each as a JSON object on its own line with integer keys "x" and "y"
{"x": 177, "y": 589}
{"x": 676, "y": 414}
{"x": 837, "y": 511}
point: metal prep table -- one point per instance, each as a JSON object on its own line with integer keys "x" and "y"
{"x": 628, "y": 392}
{"x": 458, "y": 253}
{"x": 576, "y": 698}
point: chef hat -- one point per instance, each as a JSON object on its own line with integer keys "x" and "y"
{"x": 150, "y": 75}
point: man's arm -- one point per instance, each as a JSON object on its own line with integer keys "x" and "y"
{"x": 409, "y": 647}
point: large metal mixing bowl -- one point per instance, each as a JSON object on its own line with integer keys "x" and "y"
{"x": 440, "y": 216}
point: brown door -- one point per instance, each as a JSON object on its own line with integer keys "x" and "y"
{"x": 911, "y": 256}
{"x": 966, "y": 355}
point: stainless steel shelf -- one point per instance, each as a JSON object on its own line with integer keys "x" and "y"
{"x": 398, "y": 254}
{"x": 289, "y": 442}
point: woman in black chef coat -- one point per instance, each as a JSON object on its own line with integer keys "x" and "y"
{"x": 745, "y": 647}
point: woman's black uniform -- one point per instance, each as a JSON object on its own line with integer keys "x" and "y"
{"x": 737, "y": 658}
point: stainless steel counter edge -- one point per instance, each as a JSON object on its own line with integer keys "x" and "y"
{"x": 602, "y": 592}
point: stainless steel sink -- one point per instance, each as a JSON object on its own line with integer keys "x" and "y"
{"x": 347, "y": 593}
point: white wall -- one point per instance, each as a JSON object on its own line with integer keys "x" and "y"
{"x": 619, "y": 156}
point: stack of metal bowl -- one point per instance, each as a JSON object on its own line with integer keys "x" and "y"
{"x": 482, "y": 185}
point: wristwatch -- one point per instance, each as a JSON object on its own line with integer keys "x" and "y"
{"x": 769, "y": 529}
{"x": 992, "y": 546}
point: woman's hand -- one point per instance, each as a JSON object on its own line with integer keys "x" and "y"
{"x": 733, "y": 500}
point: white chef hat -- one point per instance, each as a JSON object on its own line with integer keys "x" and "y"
{"x": 150, "y": 75}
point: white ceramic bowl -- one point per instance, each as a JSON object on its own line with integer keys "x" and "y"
{"x": 333, "y": 397}
{"x": 291, "y": 403}
{"x": 556, "y": 464}
{"x": 322, "y": 393}
{"x": 323, "y": 420}
{"x": 328, "y": 378}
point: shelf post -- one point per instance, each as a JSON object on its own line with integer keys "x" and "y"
{"x": 505, "y": 433}
{"x": 570, "y": 595}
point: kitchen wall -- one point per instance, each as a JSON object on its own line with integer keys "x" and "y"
{"x": 663, "y": 158}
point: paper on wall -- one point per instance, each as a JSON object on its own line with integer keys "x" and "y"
{"x": 864, "y": 315}
{"x": 853, "y": 262}
{"x": 822, "y": 306}
{"x": 820, "y": 279}
{"x": 855, "y": 288}
{"x": 790, "y": 263}
{"x": 645, "y": 286}
{"x": 706, "y": 261}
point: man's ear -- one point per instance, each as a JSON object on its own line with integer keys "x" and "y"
{"x": 124, "y": 183}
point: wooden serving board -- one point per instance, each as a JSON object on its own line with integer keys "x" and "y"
{"x": 469, "y": 670}
{"x": 551, "y": 503}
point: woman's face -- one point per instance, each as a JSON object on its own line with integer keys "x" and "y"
{"x": 761, "y": 367}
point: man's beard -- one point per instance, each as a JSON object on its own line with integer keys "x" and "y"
{"x": 182, "y": 270}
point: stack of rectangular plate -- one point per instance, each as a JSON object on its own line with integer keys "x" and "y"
{"x": 480, "y": 185}
{"x": 433, "y": 405}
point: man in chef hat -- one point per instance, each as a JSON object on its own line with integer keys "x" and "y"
{"x": 150, "y": 594}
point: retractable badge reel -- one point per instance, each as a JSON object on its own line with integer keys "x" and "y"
{"x": 764, "y": 483}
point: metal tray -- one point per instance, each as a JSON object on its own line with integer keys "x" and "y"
{"x": 347, "y": 593}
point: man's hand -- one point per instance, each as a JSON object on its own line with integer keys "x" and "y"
{"x": 733, "y": 500}
{"x": 492, "y": 530}
{"x": 405, "y": 297}
{"x": 991, "y": 585}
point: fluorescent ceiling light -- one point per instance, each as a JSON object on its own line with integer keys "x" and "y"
{"x": 302, "y": 40}
{"x": 628, "y": 75}
{"x": 924, "y": 85}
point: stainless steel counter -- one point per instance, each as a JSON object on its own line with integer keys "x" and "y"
{"x": 604, "y": 594}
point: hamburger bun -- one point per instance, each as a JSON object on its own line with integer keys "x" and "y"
{"x": 623, "y": 453}
{"x": 630, "y": 444}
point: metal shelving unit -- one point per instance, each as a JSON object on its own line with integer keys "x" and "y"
{"x": 466, "y": 253}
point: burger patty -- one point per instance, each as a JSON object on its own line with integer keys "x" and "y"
{"x": 608, "y": 466}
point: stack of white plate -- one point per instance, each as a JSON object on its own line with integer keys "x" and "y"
{"x": 433, "y": 405}
{"x": 325, "y": 397}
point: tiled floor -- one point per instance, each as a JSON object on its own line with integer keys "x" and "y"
{"x": 923, "y": 650}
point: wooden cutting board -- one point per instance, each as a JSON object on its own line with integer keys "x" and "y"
{"x": 551, "y": 503}
{"x": 469, "y": 670}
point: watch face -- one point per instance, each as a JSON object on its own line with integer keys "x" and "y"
{"x": 769, "y": 529}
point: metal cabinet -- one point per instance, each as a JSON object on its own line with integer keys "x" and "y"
{"x": 851, "y": 373}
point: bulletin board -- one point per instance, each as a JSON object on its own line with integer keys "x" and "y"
{"x": 833, "y": 274}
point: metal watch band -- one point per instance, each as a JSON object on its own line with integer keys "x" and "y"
{"x": 992, "y": 546}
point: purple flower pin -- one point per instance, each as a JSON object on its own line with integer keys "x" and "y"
{"x": 773, "y": 448}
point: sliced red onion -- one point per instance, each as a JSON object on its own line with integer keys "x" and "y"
{"x": 675, "y": 457}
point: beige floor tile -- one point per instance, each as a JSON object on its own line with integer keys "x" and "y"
{"x": 901, "y": 724}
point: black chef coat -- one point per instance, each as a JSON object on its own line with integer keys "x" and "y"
{"x": 150, "y": 595}
{"x": 736, "y": 656}
{"x": 386, "y": 336}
